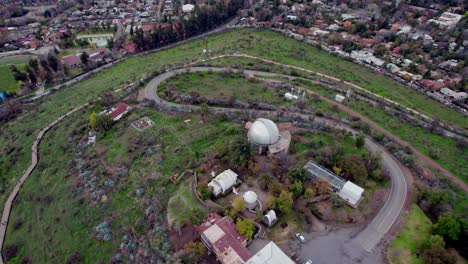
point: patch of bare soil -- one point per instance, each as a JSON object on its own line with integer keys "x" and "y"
{"x": 181, "y": 237}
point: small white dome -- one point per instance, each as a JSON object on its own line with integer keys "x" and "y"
{"x": 263, "y": 132}
{"x": 250, "y": 197}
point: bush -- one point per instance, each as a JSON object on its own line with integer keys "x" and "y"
{"x": 10, "y": 251}
{"x": 197, "y": 216}
{"x": 205, "y": 192}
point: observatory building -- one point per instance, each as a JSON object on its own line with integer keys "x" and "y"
{"x": 265, "y": 137}
{"x": 250, "y": 199}
{"x": 223, "y": 183}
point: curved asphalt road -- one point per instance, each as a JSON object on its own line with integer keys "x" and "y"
{"x": 357, "y": 247}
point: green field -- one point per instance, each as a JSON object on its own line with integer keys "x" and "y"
{"x": 8, "y": 83}
{"x": 416, "y": 229}
{"x": 216, "y": 85}
{"x": 16, "y": 59}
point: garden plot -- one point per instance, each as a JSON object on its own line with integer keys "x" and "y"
{"x": 142, "y": 123}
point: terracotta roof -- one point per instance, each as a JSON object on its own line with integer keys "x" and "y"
{"x": 72, "y": 60}
{"x": 228, "y": 239}
{"x": 130, "y": 47}
{"x": 120, "y": 108}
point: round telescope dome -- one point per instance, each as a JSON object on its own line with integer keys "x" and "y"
{"x": 263, "y": 132}
{"x": 250, "y": 197}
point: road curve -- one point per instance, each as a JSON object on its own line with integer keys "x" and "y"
{"x": 368, "y": 238}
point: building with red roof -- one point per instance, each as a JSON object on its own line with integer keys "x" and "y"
{"x": 347, "y": 25}
{"x": 130, "y": 48}
{"x": 220, "y": 236}
{"x": 118, "y": 111}
{"x": 72, "y": 61}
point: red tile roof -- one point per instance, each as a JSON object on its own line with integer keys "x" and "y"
{"x": 119, "y": 109}
{"x": 130, "y": 47}
{"x": 230, "y": 239}
{"x": 145, "y": 28}
{"x": 72, "y": 60}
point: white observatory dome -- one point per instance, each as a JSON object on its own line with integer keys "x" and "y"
{"x": 263, "y": 132}
{"x": 250, "y": 199}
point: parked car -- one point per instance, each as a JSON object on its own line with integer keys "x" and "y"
{"x": 300, "y": 237}
{"x": 308, "y": 261}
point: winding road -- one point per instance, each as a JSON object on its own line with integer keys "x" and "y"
{"x": 349, "y": 247}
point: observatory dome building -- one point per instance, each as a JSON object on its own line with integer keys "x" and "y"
{"x": 263, "y": 133}
{"x": 265, "y": 137}
{"x": 250, "y": 199}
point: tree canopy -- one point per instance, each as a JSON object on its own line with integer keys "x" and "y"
{"x": 450, "y": 227}
{"x": 284, "y": 202}
{"x": 354, "y": 167}
{"x": 245, "y": 227}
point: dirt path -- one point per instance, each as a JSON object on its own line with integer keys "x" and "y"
{"x": 34, "y": 159}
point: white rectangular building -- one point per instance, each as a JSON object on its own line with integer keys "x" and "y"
{"x": 270, "y": 254}
{"x": 351, "y": 193}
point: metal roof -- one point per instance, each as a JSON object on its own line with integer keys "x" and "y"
{"x": 316, "y": 170}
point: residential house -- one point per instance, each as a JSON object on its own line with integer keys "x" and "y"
{"x": 220, "y": 236}
{"x": 72, "y": 61}
{"x": 118, "y": 111}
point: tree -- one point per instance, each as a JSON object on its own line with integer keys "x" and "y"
{"x": 238, "y": 204}
{"x": 104, "y": 122}
{"x": 205, "y": 192}
{"x": 53, "y": 62}
{"x": 84, "y": 58}
{"x": 309, "y": 194}
{"x": 450, "y": 227}
{"x": 284, "y": 202}
{"x": 298, "y": 173}
{"x": 93, "y": 120}
{"x": 196, "y": 250}
{"x": 297, "y": 189}
{"x": 359, "y": 141}
{"x": 434, "y": 252}
{"x": 19, "y": 75}
{"x": 231, "y": 212}
{"x": 204, "y": 111}
{"x": 197, "y": 216}
{"x": 238, "y": 152}
{"x": 275, "y": 188}
{"x": 245, "y": 227}
{"x": 31, "y": 74}
{"x": 354, "y": 167}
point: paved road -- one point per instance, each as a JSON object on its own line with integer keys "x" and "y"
{"x": 350, "y": 246}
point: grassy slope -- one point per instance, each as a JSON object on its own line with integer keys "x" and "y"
{"x": 8, "y": 83}
{"x": 449, "y": 156}
{"x": 20, "y": 133}
{"x": 67, "y": 225}
{"x": 416, "y": 229}
{"x": 215, "y": 85}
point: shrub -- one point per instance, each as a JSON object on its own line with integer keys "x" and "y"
{"x": 197, "y": 216}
